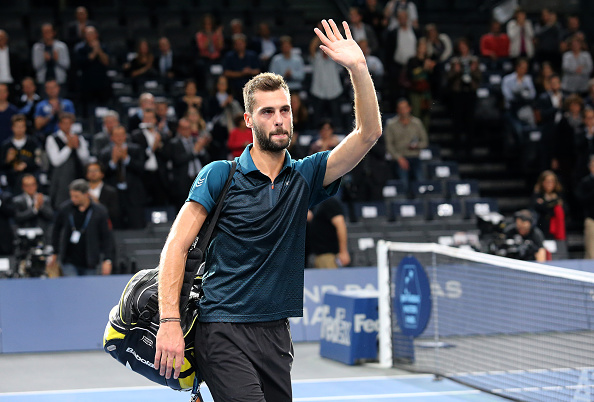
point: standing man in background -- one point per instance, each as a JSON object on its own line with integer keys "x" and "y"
{"x": 327, "y": 235}
{"x": 255, "y": 261}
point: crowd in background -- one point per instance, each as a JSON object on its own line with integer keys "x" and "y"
{"x": 60, "y": 119}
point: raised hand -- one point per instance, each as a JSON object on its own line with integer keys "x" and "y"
{"x": 344, "y": 51}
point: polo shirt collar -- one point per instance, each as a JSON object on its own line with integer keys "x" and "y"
{"x": 247, "y": 163}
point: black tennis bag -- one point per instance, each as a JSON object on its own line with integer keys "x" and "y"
{"x": 131, "y": 332}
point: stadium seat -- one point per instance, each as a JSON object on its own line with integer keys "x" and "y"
{"x": 428, "y": 189}
{"x": 394, "y": 190}
{"x": 444, "y": 209}
{"x": 440, "y": 170}
{"x": 370, "y": 212}
{"x": 407, "y": 210}
{"x": 462, "y": 188}
{"x": 479, "y": 206}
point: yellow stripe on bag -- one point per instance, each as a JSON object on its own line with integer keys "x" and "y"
{"x": 187, "y": 382}
{"x": 110, "y": 334}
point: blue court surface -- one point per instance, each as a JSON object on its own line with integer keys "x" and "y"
{"x": 399, "y": 388}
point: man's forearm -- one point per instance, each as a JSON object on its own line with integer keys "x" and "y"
{"x": 367, "y": 115}
{"x": 171, "y": 276}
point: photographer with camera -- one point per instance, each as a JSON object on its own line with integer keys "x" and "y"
{"x": 523, "y": 240}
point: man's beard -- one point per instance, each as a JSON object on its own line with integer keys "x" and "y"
{"x": 267, "y": 144}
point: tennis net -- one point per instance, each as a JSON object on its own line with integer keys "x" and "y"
{"x": 521, "y": 330}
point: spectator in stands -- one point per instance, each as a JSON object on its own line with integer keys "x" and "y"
{"x": 75, "y": 31}
{"x": 462, "y": 81}
{"x": 518, "y": 93}
{"x": 124, "y": 168}
{"x": 240, "y": 64}
{"x": 494, "y": 45}
{"x": 549, "y": 111}
{"x": 521, "y": 36}
{"x": 439, "y": 44}
{"x": 235, "y": 27}
{"x": 188, "y": 155}
{"x": 393, "y": 7}
{"x": 239, "y": 137}
{"x": 209, "y": 40}
{"x": 265, "y": 45}
{"x": 547, "y": 39}
{"x": 585, "y": 194}
{"x": 577, "y": 67}
{"x": 374, "y": 64}
{"x": 154, "y": 177}
{"x": 92, "y": 61}
{"x": 360, "y": 30}
{"x": 547, "y": 202}
{"x": 12, "y": 65}
{"x": 572, "y": 29}
{"x": 7, "y": 110}
{"x": 327, "y": 235}
{"x": 166, "y": 123}
{"x": 289, "y": 64}
{"x": 141, "y": 67}
{"x": 81, "y": 238}
{"x": 198, "y": 125}
{"x": 542, "y": 80}
{"x": 19, "y": 154}
{"x": 326, "y": 140}
{"x": 111, "y": 119}
{"x": 189, "y": 99}
{"x": 170, "y": 65}
{"x": 300, "y": 114}
{"x": 405, "y": 137}
{"x": 222, "y": 106}
{"x": 326, "y": 85}
{"x": 48, "y": 110}
{"x": 373, "y": 15}
{"x": 28, "y": 102}
{"x": 32, "y": 208}
{"x": 564, "y": 142}
{"x": 102, "y": 193}
{"x": 50, "y": 57}
{"x": 146, "y": 101}
{"x": 584, "y": 145}
{"x": 527, "y": 239}
{"x": 420, "y": 72}
{"x": 67, "y": 152}
{"x": 6, "y": 216}
{"x": 400, "y": 46}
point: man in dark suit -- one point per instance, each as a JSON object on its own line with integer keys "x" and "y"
{"x": 187, "y": 156}
{"x": 75, "y": 31}
{"x": 102, "y": 193}
{"x": 154, "y": 177}
{"x": 124, "y": 167}
{"x": 146, "y": 101}
{"x": 33, "y": 209}
{"x": 549, "y": 106}
{"x": 170, "y": 65}
{"x": 81, "y": 237}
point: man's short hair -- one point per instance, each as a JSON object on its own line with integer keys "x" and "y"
{"x": 524, "y": 215}
{"x": 66, "y": 115}
{"x": 95, "y": 162}
{"x": 285, "y": 39}
{"x": 239, "y": 36}
{"x": 112, "y": 113}
{"x": 266, "y": 82}
{"x": 79, "y": 185}
{"x": 18, "y": 117}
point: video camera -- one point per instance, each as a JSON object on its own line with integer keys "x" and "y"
{"x": 31, "y": 252}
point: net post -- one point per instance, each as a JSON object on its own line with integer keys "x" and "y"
{"x": 384, "y": 310}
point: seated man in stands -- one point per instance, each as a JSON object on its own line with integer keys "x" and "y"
{"x": 495, "y": 44}
{"x": 518, "y": 93}
{"x": 524, "y": 239}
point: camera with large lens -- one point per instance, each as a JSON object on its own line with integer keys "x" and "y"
{"x": 31, "y": 252}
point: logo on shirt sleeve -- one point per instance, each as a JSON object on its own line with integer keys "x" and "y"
{"x": 199, "y": 182}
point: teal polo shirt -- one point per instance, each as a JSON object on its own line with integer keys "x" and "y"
{"x": 256, "y": 257}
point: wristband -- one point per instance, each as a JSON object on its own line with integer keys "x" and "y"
{"x": 163, "y": 320}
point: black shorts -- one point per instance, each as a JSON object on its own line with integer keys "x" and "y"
{"x": 247, "y": 362}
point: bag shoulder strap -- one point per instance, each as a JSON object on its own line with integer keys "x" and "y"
{"x": 203, "y": 238}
